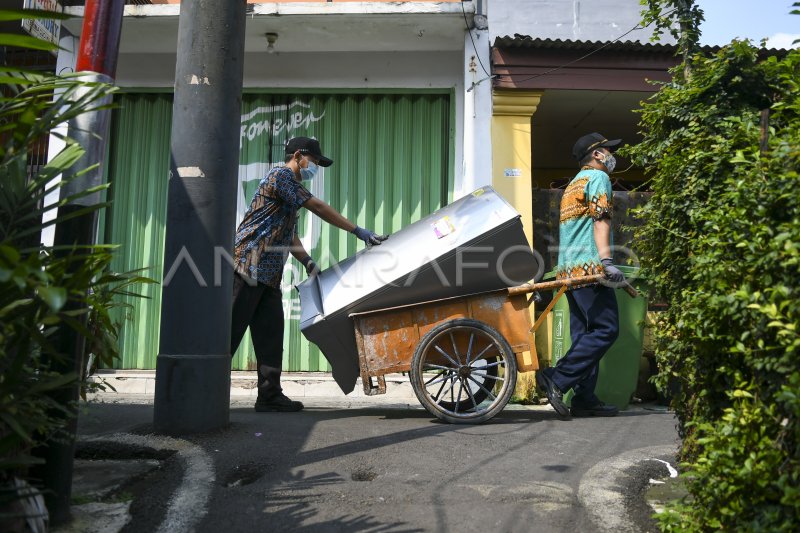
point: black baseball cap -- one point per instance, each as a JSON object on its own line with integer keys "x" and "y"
{"x": 589, "y": 142}
{"x": 310, "y": 146}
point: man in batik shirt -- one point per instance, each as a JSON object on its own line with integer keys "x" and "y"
{"x": 264, "y": 239}
{"x": 585, "y": 250}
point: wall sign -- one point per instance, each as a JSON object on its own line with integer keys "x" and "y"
{"x": 46, "y": 29}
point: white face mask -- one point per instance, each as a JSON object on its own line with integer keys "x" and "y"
{"x": 609, "y": 161}
{"x": 309, "y": 172}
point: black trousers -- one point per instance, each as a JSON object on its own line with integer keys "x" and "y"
{"x": 260, "y": 307}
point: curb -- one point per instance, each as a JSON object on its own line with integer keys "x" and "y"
{"x": 602, "y": 489}
{"x": 298, "y": 385}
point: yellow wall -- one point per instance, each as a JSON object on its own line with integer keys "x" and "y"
{"x": 511, "y": 150}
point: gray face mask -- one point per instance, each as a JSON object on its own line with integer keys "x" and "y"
{"x": 610, "y": 162}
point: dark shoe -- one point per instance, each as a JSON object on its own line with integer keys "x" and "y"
{"x": 554, "y": 394}
{"x": 598, "y": 409}
{"x": 279, "y": 403}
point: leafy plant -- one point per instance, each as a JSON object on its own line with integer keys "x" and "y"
{"x": 680, "y": 18}
{"x": 721, "y": 242}
{"x": 44, "y": 288}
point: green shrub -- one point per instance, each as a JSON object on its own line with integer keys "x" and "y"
{"x": 721, "y": 243}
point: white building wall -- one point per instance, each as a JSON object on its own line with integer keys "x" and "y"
{"x": 313, "y": 70}
{"x": 348, "y": 70}
{"x": 359, "y": 46}
{"x": 579, "y": 20}
{"x": 477, "y": 96}
{"x": 65, "y": 63}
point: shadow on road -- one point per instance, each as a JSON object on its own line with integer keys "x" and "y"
{"x": 294, "y": 502}
{"x": 311, "y": 471}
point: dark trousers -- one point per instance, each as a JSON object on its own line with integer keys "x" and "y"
{"x": 594, "y": 326}
{"x": 261, "y": 308}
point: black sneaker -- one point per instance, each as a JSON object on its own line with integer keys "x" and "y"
{"x": 554, "y": 394}
{"x": 598, "y": 409}
{"x": 279, "y": 403}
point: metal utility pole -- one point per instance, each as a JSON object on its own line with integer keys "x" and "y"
{"x": 193, "y": 366}
{"x": 97, "y": 59}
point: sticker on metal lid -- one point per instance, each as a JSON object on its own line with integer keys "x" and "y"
{"x": 477, "y": 193}
{"x": 443, "y": 227}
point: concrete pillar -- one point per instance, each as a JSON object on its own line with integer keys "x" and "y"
{"x": 477, "y": 151}
{"x": 511, "y": 157}
{"x": 193, "y": 367}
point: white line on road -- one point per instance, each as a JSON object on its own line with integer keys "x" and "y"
{"x": 189, "y": 504}
{"x": 602, "y": 490}
{"x": 670, "y": 468}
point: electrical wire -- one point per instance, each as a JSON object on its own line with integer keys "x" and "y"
{"x": 469, "y": 31}
{"x": 476, "y": 83}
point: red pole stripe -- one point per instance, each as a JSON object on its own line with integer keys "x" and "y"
{"x": 102, "y": 26}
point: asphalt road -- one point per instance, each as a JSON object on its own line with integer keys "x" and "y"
{"x": 396, "y": 469}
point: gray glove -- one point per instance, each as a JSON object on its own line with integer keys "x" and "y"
{"x": 613, "y": 274}
{"x": 369, "y": 237}
{"x": 311, "y": 266}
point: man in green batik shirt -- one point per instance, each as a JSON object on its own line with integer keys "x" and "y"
{"x": 585, "y": 250}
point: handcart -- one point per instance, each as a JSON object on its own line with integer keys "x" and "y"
{"x": 462, "y": 353}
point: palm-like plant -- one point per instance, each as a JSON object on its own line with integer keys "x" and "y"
{"x": 43, "y": 288}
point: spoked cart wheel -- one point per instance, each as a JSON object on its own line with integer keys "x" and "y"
{"x": 463, "y": 371}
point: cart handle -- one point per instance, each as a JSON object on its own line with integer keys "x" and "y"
{"x": 526, "y": 288}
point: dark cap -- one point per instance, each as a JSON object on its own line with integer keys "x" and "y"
{"x": 309, "y": 146}
{"x": 589, "y": 142}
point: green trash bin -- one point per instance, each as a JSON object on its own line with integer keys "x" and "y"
{"x": 619, "y": 367}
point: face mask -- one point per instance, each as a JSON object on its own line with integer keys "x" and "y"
{"x": 308, "y": 173}
{"x": 609, "y": 161}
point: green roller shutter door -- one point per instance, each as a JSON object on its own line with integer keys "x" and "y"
{"x": 393, "y": 165}
{"x": 137, "y": 171}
